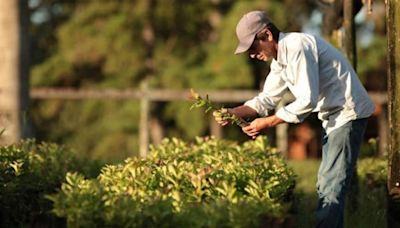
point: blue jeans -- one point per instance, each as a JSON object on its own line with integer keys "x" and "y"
{"x": 339, "y": 156}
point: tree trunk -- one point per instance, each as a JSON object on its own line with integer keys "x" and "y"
{"x": 331, "y": 18}
{"x": 349, "y": 42}
{"x": 334, "y": 14}
{"x": 14, "y": 70}
{"x": 393, "y": 30}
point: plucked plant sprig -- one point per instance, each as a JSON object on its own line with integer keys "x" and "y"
{"x": 199, "y": 102}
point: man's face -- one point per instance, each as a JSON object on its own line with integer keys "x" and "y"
{"x": 263, "y": 48}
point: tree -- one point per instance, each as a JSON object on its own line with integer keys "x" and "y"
{"x": 14, "y": 70}
{"x": 102, "y": 45}
{"x": 393, "y": 29}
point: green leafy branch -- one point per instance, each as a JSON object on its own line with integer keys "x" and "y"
{"x": 199, "y": 102}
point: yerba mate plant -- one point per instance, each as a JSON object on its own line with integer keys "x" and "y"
{"x": 208, "y": 183}
{"x": 206, "y": 103}
{"x": 29, "y": 170}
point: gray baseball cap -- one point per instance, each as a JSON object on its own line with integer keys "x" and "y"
{"x": 246, "y": 30}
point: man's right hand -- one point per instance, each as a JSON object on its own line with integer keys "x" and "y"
{"x": 220, "y": 115}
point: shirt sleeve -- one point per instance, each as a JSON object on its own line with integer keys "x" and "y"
{"x": 302, "y": 74}
{"x": 269, "y": 98}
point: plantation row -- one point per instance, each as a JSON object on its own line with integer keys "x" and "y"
{"x": 206, "y": 183}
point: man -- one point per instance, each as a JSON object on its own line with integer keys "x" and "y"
{"x": 321, "y": 80}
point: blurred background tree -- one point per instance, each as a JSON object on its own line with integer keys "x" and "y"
{"x": 14, "y": 72}
{"x": 102, "y": 44}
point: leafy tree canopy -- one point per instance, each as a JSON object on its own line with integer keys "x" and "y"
{"x": 176, "y": 44}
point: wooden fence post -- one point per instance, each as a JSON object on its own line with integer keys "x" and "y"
{"x": 281, "y": 132}
{"x": 144, "y": 121}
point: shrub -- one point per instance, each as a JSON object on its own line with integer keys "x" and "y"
{"x": 209, "y": 183}
{"x": 370, "y": 195}
{"x": 28, "y": 171}
{"x": 373, "y": 171}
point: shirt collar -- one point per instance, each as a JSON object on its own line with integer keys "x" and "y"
{"x": 281, "y": 55}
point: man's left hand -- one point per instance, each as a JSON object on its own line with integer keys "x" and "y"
{"x": 257, "y": 125}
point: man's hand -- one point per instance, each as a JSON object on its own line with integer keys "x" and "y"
{"x": 235, "y": 115}
{"x": 257, "y": 125}
{"x": 219, "y": 116}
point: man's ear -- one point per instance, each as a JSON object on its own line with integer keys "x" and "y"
{"x": 270, "y": 37}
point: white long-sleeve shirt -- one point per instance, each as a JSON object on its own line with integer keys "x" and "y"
{"x": 320, "y": 79}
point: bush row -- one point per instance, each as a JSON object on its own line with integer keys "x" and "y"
{"x": 372, "y": 172}
{"x": 28, "y": 171}
{"x": 208, "y": 183}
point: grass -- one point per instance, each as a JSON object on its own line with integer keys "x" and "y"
{"x": 365, "y": 206}
{"x": 305, "y": 192}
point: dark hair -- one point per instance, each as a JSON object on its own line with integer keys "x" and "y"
{"x": 272, "y": 28}
{"x": 261, "y": 35}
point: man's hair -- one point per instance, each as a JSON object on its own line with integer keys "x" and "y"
{"x": 272, "y": 28}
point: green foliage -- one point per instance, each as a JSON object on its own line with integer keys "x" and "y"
{"x": 200, "y": 102}
{"x": 107, "y": 128}
{"x": 373, "y": 172}
{"x": 372, "y": 58}
{"x": 101, "y": 44}
{"x": 370, "y": 206}
{"x": 208, "y": 183}
{"x": 28, "y": 171}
